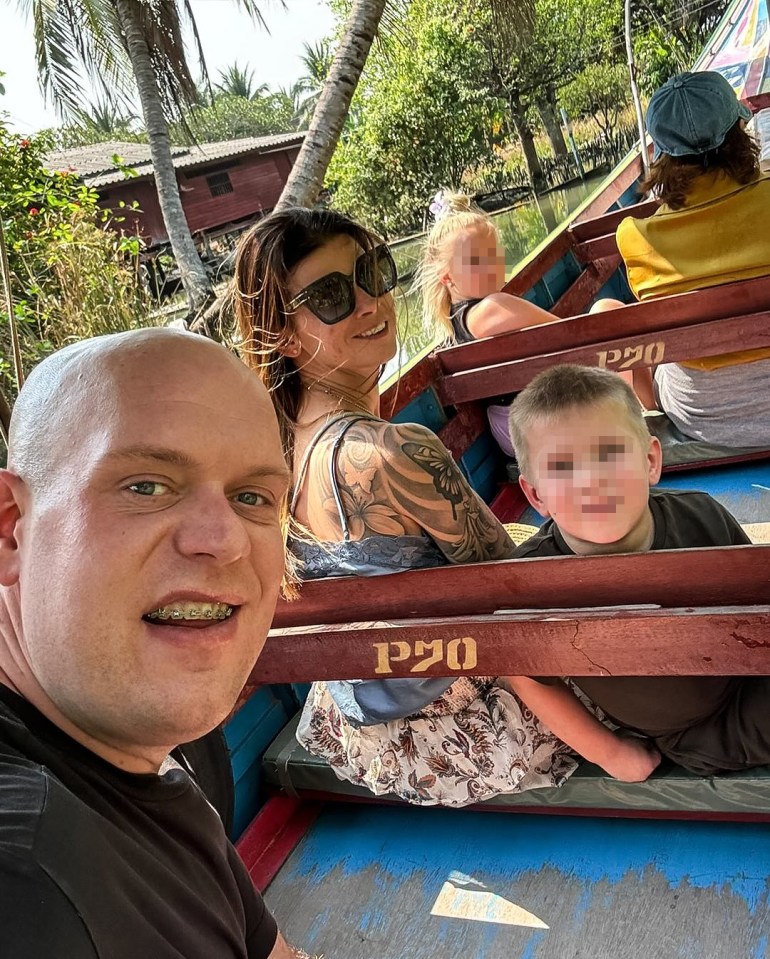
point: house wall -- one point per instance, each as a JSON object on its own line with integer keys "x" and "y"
{"x": 148, "y": 222}
{"x": 257, "y": 182}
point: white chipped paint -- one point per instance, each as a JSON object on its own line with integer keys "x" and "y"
{"x": 455, "y": 902}
{"x": 757, "y": 532}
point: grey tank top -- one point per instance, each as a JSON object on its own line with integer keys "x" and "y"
{"x": 365, "y": 557}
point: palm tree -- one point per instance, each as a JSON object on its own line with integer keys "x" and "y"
{"x": 307, "y": 175}
{"x": 317, "y": 60}
{"x": 239, "y": 82}
{"x": 128, "y": 46}
{"x": 367, "y": 19}
{"x": 104, "y": 117}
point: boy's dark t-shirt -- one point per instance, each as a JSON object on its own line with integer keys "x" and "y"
{"x": 661, "y": 705}
{"x": 97, "y": 862}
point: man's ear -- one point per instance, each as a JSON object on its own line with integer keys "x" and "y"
{"x": 532, "y": 496}
{"x": 654, "y": 460}
{"x": 11, "y": 493}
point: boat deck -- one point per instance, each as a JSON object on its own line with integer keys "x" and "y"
{"x": 393, "y": 883}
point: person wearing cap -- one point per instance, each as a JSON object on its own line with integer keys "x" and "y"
{"x": 708, "y": 230}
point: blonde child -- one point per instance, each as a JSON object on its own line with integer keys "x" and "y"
{"x": 462, "y": 274}
{"x": 587, "y": 463}
{"x": 460, "y": 280}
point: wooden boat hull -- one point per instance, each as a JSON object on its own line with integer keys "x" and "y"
{"x": 386, "y": 880}
{"x": 390, "y": 883}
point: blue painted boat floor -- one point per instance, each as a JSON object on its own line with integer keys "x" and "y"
{"x": 742, "y": 488}
{"x": 363, "y": 881}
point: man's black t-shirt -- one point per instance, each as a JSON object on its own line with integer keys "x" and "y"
{"x": 661, "y": 705}
{"x": 97, "y": 862}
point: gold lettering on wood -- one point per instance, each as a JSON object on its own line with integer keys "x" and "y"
{"x": 631, "y": 356}
{"x": 460, "y": 655}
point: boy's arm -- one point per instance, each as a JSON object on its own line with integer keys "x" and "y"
{"x": 629, "y": 760}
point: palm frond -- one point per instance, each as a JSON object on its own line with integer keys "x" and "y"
{"x": 73, "y": 37}
{"x": 392, "y": 27}
{"x": 511, "y": 21}
{"x": 162, "y": 24}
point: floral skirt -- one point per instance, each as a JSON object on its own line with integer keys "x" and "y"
{"x": 494, "y": 744}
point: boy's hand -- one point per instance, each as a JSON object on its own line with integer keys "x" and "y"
{"x": 632, "y": 760}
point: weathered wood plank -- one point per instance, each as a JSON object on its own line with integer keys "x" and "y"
{"x": 624, "y": 353}
{"x": 583, "y": 291}
{"x": 367, "y": 878}
{"x": 608, "y": 222}
{"x": 663, "y": 313}
{"x": 409, "y": 386}
{"x": 734, "y": 575}
{"x": 622, "y": 642}
{"x": 532, "y": 271}
{"x": 612, "y": 192}
{"x": 462, "y": 431}
{"x": 597, "y": 248}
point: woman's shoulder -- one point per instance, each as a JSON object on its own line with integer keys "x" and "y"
{"x": 389, "y": 437}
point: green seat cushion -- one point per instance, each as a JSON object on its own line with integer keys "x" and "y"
{"x": 669, "y": 790}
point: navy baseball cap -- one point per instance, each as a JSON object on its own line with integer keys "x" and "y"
{"x": 692, "y": 113}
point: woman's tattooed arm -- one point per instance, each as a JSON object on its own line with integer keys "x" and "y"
{"x": 399, "y": 478}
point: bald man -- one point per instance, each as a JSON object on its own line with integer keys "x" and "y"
{"x": 140, "y": 560}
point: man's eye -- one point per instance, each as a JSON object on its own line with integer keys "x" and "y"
{"x": 250, "y": 498}
{"x": 610, "y": 452}
{"x": 560, "y": 466}
{"x": 148, "y": 488}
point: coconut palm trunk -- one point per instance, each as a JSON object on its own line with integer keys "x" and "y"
{"x": 196, "y": 281}
{"x": 306, "y": 179}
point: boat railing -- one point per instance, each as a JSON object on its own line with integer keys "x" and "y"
{"x": 710, "y": 322}
{"x": 673, "y": 612}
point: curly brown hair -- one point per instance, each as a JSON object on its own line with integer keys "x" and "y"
{"x": 671, "y": 178}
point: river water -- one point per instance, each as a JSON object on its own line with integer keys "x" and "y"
{"x": 521, "y": 228}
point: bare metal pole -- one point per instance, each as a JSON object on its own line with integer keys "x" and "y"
{"x": 635, "y": 91}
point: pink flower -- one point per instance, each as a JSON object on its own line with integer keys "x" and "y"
{"x": 34, "y": 211}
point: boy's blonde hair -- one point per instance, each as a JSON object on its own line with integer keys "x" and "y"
{"x": 562, "y": 388}
{"x": 458, "y": 213}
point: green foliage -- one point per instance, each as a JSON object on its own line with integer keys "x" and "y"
{"x": 230, "y": 117}
{"x": 448, "y": 106}
{"x": 423, "y": 120}
{"x": 668, "y": 36}
{"x": 70, "y": 277}
{"x": 600, "y": 91}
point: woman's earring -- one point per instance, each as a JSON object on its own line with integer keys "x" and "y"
{"x": 291, "y": 347}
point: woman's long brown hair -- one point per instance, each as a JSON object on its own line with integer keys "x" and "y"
{"x": 266, "y": 257}
{"x": 671, "y": 178}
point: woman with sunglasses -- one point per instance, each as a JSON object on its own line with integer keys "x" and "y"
{"x": 317, "y": 321}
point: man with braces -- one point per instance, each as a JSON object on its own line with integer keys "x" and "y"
{"x": 141, "y": 553}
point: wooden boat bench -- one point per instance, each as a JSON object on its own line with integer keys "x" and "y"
{"x": 734, "y": 316}
{"x": 704, "y": 323}
{"x": 531, "y": 617}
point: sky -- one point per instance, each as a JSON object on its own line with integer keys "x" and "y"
{"x": 227, "y": 36}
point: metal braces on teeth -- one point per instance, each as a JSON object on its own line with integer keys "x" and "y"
{"x": 176, "y": 614}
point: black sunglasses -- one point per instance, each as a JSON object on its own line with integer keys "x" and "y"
{"x": 332, "y": 298}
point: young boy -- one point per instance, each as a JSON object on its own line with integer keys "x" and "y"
{"x": 587, "y": 461}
